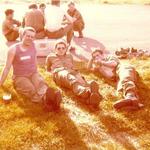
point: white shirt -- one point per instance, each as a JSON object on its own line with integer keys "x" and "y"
{"x": 54, "y": 16}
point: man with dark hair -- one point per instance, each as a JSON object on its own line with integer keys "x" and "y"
{"x": 42, "y": 8}
{"x": 35, "y": 18}
{"x": 26, "y": 79}
{"x": 33, "y": 6}
{"x": 78, "y": 25}
{"x": 10, "y": 26}
{"x": 61, "y": 65}
{"x": 110, "y": 67}
{"x": 54, "y": 29}
{"x": 55, "y": 2}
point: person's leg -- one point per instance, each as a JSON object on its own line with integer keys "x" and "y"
{"x": 39, "y": 84}
{"x": 67, "y": 30}
{"x": 75, "y": 82}
{"x": 24, "y": 86}
{"x": 127, "y": 83}
{"x": 12, "y": 36}
{"x": 78, "y": 26}
{"x": 40, "y": 35}
{"x": 67, "y": 79}
{"x": 89, "y": 92}
{"x": 52, "y": 96}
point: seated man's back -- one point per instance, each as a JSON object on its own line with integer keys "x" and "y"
{"x": 35, "y": 19}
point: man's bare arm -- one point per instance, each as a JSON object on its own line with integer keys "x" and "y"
{"x": 10, "y": 58}
{"x": 48, "y": 64}
{"x": 109, "y": 64}
{"x": 69, "y": 18}
{"x": 90, "y": 64}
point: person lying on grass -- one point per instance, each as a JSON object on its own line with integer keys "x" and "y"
{"x": 110, "y": 67}
{"x": 61, "y": 65}
{"x": 26, "y": 79}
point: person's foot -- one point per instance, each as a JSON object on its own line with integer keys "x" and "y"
{"x": 94, "y": 87}
{"x": 127, "y": 102}
{"x": 80, "y": 35}
{"x": 57, "y": 102}
{"x": 72, "y": 49}
{"x": 95, "y": 99}
{"x": 52, "y": 99}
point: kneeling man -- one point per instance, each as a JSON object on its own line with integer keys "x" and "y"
{"x": 111, "y": 68}
{"x": 64, "y": 74}
{"x": 26, "y": 79}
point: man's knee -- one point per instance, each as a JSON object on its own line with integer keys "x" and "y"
{"x": 24, "y": 87}
{"x": 80, "y": 90}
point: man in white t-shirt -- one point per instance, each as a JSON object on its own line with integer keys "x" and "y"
{"x": 54, "y": 17}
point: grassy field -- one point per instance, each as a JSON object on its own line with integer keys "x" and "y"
{"x": 25, "y": 126}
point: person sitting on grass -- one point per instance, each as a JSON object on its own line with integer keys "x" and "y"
{"x": 110, "y": 67}
{"x": 78, "y": 25}
{"x": 10, "y": 26}
{"x": 62, "y": 67}
{"x": 26, "y": 78}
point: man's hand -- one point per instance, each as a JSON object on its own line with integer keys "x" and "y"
{"x": 16, "y": 28}
{"x": 74, "y": 19}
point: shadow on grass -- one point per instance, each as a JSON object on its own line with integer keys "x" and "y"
{"x": 118, "y": 130}
{"x": 127, "y": 130}
{"x": 66, "y": 129}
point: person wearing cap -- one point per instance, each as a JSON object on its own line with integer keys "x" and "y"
{"x": 35, "y": 18}
{"x": 26, "y": 79}
{"x": 62, "y": 68}
{"x": 126, "y": 77}
{"x": 54, "y": 16}
{"x": 10, "y": 26}
{"x": 78, "y": 25}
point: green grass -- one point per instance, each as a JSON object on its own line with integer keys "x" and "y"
{"x": 25, "y": 126}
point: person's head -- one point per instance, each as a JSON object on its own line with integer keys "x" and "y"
{"x": 9, "y": 13}
{"x": 60, "y": 48}
{"x": 97, "y": 54}
{"x": 71, "y": 6}
{"x": 33, "y": 6}
{"x": 55, "y": 2}
{"x": 28, "y": 35}
{"x": 42, "y": 6}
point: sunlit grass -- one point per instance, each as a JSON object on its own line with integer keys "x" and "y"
{"x": 24, "y": 125}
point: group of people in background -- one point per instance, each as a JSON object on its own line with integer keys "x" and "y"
{"x": 60, "y": 64}
{"x": 51, "y": 22}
